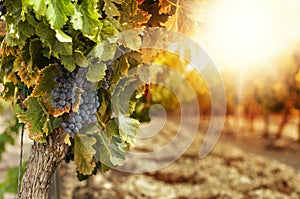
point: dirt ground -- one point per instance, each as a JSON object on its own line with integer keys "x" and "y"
{"x": 242, "y": 165}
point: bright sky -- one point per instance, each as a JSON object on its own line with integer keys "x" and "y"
{"x": 250, "y": 33}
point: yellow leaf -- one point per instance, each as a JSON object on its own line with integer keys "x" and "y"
{"x": 83, "y": 153}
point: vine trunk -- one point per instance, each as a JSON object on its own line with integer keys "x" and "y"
{"x": 43, "y": 161}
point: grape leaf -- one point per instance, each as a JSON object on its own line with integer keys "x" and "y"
{"x": 62, "y": 37}
{"x": 83, "y": 153}
{"x": 88, "y": 19}
{"x": 76, "y": 19}
{"x": 105, "y": 105}
{"x": 58, "y": 12}
{"x": 48, "y": 37}
{"x": 96, "y": 72}
{"x": 79, "y": 57}
{"x": 56, "y": 122}
{"x": 111, "y": 128}
{"x": 9, "y": 91}
{"x": 123, "y": 105}
{"x": 111, "y": 152}
{"x": 117, "y": 148}
{"x": 27, "y": 74}
{"x": 104, "y": 51}
{"x": 129, "y": 128}
{"x": 26, "y": 28}
{"x": 108, "y": 30}
{"x": 39, "y": 6}
{"x": 45, "y": 83}
{"x": 14, "y": 36}
{"x": 35, "y": 118}
{"x": 63, "y": 48}
{"x": 110, "y": 9}
{"x": 35, "y": 47}
{"x": 69, "y": 62}
{"x": 120, "y": 68}
{"x": 131, "y": 39}
{"x": 132, "y": 16}
{"x": 165, "y": 6}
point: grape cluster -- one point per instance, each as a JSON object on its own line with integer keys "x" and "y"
{"x": 89, "y": 100}
{"x": 64, "y": 95}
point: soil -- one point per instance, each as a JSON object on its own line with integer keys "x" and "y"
{"x": 243, "y": 165}
{"x": 240, "y": 166}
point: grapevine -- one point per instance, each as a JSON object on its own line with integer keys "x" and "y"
{"x": 73, "y": 60}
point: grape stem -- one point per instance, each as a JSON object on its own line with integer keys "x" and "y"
{"x": 99, "y": 120}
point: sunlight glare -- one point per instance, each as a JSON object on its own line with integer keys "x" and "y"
{"x": 245, "y": 34}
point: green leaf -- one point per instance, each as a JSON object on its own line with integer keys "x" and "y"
{"x": 79, "y": 57}
{"x": 88, "y": 22}
{"x": 122, "y": 96}
{"x": 58, "y": 12}
{"x": 26, "y": 28}
{"x": 77, "y": 19}
{"x": 69, "y": 62}
{"x": 117, "y": 148}
{"x": 123, "y": 106}
{"x": 48, "y": 37}
{"x": 105, "y": 105}
{"x": 104, "y": 51}
{"x": 56, "y": 122}
{"x": 96, "y": 72}
{"x": 31, "y": 20}
{"x": 129, "y": 128}
{"x": 35, "y": 118}
{"x": 62, "y": 48}
{"x": 111, "y": 128}
{"x": 110, "y": 152}
{"x": 35, "y": 47}
{"x": 39, "y": 6}
{"x": 62, "y": 37}
{"x": 14, "y": 36}
{"x": 110, "y": 9}
{"x": 46, "y": 34}
{"x": 108, "y": 30}
{"x": 132, "y": 39}
{"x": 120, "y": 68}
{"x": 83, "y": 153}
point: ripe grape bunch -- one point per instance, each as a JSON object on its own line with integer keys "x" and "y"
{"x": 64, "y": 96}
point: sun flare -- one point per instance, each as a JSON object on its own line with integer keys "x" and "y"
{"x": 244, "y": 33}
